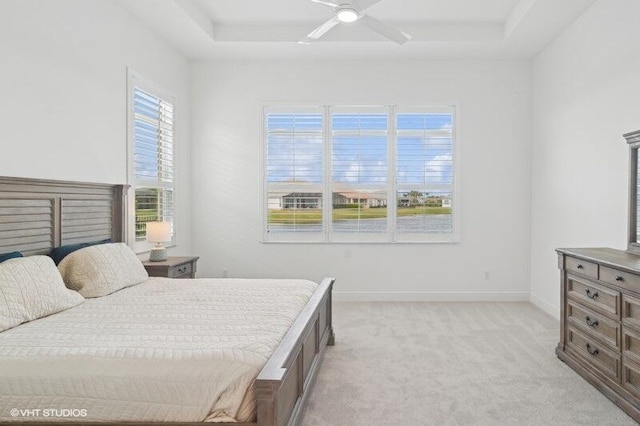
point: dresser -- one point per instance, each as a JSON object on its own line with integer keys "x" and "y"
{"x": 173, "y": 267}
{"x": 600, "y": 321}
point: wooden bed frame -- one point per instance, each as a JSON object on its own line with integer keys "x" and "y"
{"x": 37, "y": 215}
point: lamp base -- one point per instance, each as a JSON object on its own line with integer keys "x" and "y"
{"x": 158, "y": 254}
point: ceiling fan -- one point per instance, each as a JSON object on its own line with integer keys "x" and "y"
{"x": 348, "y": 11}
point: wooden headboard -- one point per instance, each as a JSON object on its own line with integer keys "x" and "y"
{"x": 37, "y": 215}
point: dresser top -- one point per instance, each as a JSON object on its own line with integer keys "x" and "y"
{"x": 618, "y": 259}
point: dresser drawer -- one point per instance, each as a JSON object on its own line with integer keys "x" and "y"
{"x": 594, "y": 296}
{"x": 181, "y": 271}
{"x": 631, "y": 311}
{"x": 581, "y": 267}
{"x": 619, "y": 278}
{"x": 593, "y": 324}
{"x": 631, "y": 344}
{"x": 603, "y": 359}
{"x": 631, "y": 376}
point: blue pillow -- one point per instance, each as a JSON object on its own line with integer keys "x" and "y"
{"x": 12, "y": 255}
{"x": 59, "y": 253}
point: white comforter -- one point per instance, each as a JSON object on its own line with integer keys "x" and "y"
{"x": 164, "y": 350}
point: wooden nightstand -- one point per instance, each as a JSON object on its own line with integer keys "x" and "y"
{"x": 173, "y": 267}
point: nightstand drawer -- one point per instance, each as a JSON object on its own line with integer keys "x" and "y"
{"x": 181, "y": 271}
{"x": 173, "y": 267}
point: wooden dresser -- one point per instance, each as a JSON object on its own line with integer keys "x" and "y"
{"x": 600, "y": 321}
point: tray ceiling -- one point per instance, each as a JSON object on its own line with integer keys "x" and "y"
{"x": 453, "y": 29}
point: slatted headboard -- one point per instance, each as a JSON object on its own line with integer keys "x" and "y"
{"x": 37, "y": 215}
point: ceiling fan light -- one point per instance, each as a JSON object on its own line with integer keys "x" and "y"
{"x": 347, "y": 15}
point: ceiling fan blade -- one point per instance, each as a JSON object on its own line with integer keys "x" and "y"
{"x": 328, "y": 3}
{"x": 365, "y": 4}
{"x": 321, "y": 30}
{"x": 385, "y": 30}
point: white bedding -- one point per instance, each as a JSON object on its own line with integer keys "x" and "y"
{"x": 163, "y": 350}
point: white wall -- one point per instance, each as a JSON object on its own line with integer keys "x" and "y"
{"x": 63, "y": 93}
{"x": 586, "y": 95}
{"x": 494, "y": 100}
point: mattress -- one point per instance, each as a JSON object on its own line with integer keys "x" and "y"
{"x": 163, "y": 350}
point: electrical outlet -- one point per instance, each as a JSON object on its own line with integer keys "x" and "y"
{"x": 487, "y": 275}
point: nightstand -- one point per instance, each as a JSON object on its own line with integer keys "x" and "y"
{"x": 173, "y": 267}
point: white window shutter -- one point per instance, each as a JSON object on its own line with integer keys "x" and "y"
{"x": 153, "y": 160}
{"x": 360, "y": 174}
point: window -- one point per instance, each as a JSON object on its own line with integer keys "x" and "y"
{"x": 151, "y": 157}
{"x": 295, "y": 173}
{"x": 424, "y": 175}
{"x": 359, "y": 174}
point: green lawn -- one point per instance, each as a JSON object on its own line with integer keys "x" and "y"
{"x": 315, "y": 215}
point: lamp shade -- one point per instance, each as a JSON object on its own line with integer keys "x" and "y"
{"x": 158, "y": 232}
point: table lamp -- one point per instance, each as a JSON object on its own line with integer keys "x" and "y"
{"x": 158, "y": 232}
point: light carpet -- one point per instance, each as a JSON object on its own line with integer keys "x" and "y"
{"x": 451, "y": 364}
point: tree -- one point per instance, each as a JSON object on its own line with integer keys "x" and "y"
{"x": 414, "y": 197}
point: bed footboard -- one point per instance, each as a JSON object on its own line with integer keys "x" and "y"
{"x": 283, "y": 385}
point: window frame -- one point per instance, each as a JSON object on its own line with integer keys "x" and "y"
{"x": 136, "y": 80}
{"x": 391, "y": 233}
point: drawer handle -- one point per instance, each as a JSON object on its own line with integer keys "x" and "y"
{"x": 591, "y": 323}
{"x": 593, "y": 352}
{"x": 580, "y": 266}
{"x": 619, "y": 278}
{"x": 182, "y": 270}
{"x": 591, "y": 295}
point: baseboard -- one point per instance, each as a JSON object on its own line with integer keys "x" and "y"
{"x": 542, "y": 304}
{"x": 372, "y": 296}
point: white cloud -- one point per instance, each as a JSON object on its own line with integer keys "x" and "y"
{"x": 438, "y": 169}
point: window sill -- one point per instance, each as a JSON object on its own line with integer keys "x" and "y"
{"x": 456, "y": 241}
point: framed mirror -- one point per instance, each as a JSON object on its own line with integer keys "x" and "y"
{"x": 633, "y": 245}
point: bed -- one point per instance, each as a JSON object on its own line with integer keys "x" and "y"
{"x": 36, "y": 215}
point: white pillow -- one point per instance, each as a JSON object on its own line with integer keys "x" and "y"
{"x": 31, "y": 288}
{"x": 99, "y": 270}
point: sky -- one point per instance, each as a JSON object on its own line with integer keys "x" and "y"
{"x": 359, "y": 148}
{"x": 152, "y": 117}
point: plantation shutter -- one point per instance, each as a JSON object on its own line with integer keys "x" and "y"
{"x": 360, "y": 174}
{"x": 359, "y": 166}
{"x": 153, "y": 153}
{"x": 294, "y": 174}
{"x": 424, "y": 175}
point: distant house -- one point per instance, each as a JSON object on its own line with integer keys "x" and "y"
{"x": 302, "y": 200}
{"x": 363, "y": 199}
{"x": 438, "y": 201}
{"x": 429, "y": 201}
{"x": 313, "y": 200}
{"x": 274, "y": 203}
{"x": 339, "y": 199}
